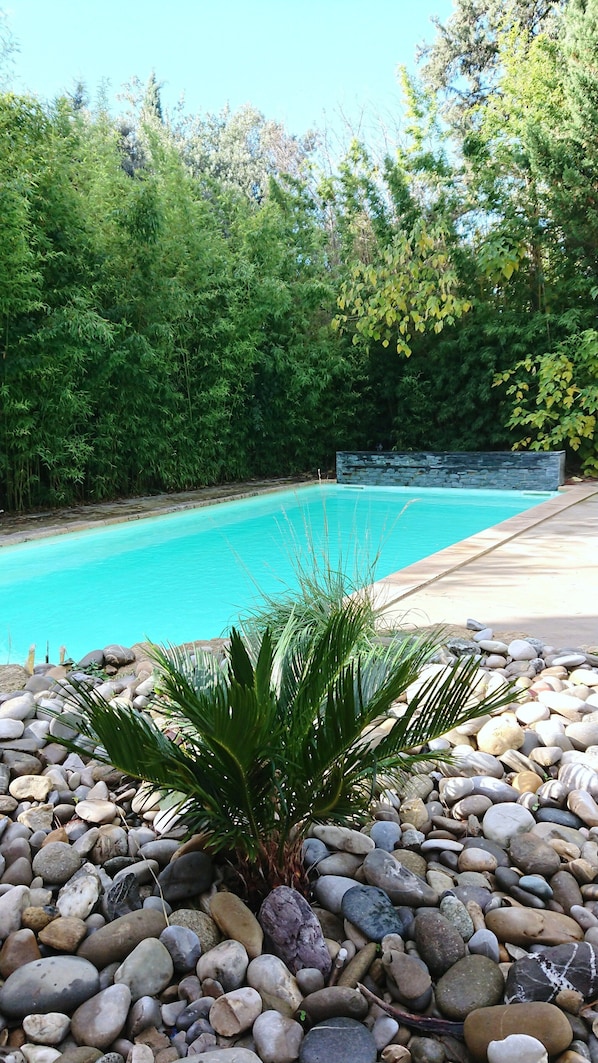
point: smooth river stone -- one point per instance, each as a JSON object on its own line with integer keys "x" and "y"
{"x": 99, "y": 1021}
{"x": 96, "y": 811}
{"x": 453, "y": 790}
{"x": 518, "y": 1046}
{"x": 526, "y": 926}
{"x": 329, "y": 890}
{"x": 533, "y": 856}
{"x": 582, "y": 804}
{"x": 54, "y": 983}
{"x": 475, "y": 805}
{"x": 522, "y": 650}
{"x": 338, "y": 1039}
{"x": 147, "y": 970}
{"x": 584, "y": 733}
{"x": 277, "y": 987}
{"x": 48, "y": 1029}
{"x": 277, "y": 1038}
{"x": 499, "y": 734}
{"x": 293, "y": 931}
{"x": 542, "y": 976}
{"x": 226, "y": 963}
{"x": 402, "y": 886}
{"x": 343, "y": 838}
{"x": 335, "y": 1001}
{"x": 476, "y": 860}
{"x": 56, "y": 863}
{"x": 113, "y": 942}
{"x": 30, "y": 787}
{"x": 235, "y": 920}
{"x": 553, "y": 831}
{"x": 439, "y": 944}
{"x": 371, "y": 911}
{"x": 186, "y": 877}
{"x": 579, "y": 776}
{"x": 544, "y": 1021}
{"x": 385, "y": 835}
{"x": 552, "y": 733}
{"x": 495, "y": 788}
{"x": 408, "y": 979}
{"x": 546, "y": 756}
{"x": 343, "y": 864}
{"x": 472, "y": 982}
{"x": 505, "y": 820}
{"x": 78, "y": 897}
{"x": 235, "y": 1012}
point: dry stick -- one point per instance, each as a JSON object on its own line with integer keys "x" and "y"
{"x": 417, "y": 1022}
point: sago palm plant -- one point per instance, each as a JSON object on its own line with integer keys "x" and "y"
{"x": 284, "y": 733}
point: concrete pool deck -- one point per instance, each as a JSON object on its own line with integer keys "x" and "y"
{"x": 536, "y": 573}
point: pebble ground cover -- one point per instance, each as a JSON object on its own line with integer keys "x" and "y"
{"x": 461, "y": 924}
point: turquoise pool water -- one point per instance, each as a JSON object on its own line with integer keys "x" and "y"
{"x": 188, "y": 575}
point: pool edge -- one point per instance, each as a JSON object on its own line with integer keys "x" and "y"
{"x": 402, "y": 584}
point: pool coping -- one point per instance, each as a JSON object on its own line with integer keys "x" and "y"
{"x": 103, "y": 514}
{"x": 402, "y": 584}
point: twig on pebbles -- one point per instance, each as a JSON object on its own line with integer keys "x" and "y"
{"x": 416, "y": 1022}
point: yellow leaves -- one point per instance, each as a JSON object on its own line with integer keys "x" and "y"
{"x": 411, "y": 288}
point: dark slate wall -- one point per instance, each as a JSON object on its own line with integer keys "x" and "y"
{"x": 499, "y": 470}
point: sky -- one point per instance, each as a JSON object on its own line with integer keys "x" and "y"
{"x": 304, "y": 63}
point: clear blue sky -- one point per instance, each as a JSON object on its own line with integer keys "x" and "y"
{"x": 295, "y": 60}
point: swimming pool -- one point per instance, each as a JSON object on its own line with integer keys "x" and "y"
{"x": 188, "y": 575}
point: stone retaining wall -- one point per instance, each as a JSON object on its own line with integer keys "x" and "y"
{"x": 499, "y": 470}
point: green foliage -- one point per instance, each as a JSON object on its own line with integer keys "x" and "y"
{"x": 554, "y": 398}
{"x": 290, "y": 730}
{"x": 411, "y": 288}
{"x": 187, "y": 300}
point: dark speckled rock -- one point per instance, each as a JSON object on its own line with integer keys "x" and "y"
{"x": 370, "y": 910}
{"x": 338, "y": 1039}
{"x": 473, "y": 982}
{"x": 439, "y": 944}
{"x": 294, "y": 931}
{"x": 544, "y": 975}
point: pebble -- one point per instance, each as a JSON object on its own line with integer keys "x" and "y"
{"x": 338, "y": 1038}
{"x": 518, "y": 1046}
{"x": 147, "y": 970}
{"x": 402, "y": 886}
{"x": 276, "y": 985}
{"x": 545, "y": 1022}
{"x": 503, "y": 821}
{"x": 277, "y": 1038}
{"x": 112, "y": 943}
{"x": 99, "y": 1021}
{"x": 472, "y": 982}
{"x": 235, "y": 1012}
{"x": 371, "y": 911}
{"x": 294, "y": 931}
{"x": 53, "y": 983}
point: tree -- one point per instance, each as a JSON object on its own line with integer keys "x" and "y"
{"x": 8, "y": 47}
{"x": 241, "y": 150}
{"x": 555, "y": 399}
{"x": 463, "y": 63}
